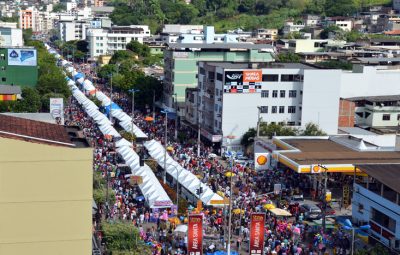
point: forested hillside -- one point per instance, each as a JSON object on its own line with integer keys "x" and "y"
{"x": 230, "y": 14}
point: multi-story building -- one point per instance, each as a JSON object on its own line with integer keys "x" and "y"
{"x": 29, "y": 19}
{"x": 18, "y": 66}
{"x": 105, "y": 41}
{"x": 377, "y": 111}
{"x": 181, "y": 63}
{"x": 291, "y": 27}
{"x": 287, "y": 94}
{"x": 265, "y": 34}
{"x": 207, "y": 35}
{"x": 11, "y": 37}
{"x": 311, "y": 20}
{"x": 344, "y": 23}
{"x": 72, "y": 30}
{"x": 305, "y": 45}
{"x": 56, "y": 175}
{"x": 376, "y": 202}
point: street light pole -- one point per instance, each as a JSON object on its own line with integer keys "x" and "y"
{"x": 198, "y": 129}
{"x": 352, "y": 241}
{"x": 258, "y": 121}
{"x": 111, "y": 96}
{"x": 324, "y": 198}
{"x": 165, "y": 149}
{"x": 133, "y": 109}
{"x": 176, "y": 117}
{"x": 230, "y": 211}
{"x": 154, "y": 105}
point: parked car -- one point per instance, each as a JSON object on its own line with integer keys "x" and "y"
{"x": 311, "y": 212}
{"x": 299, "y": 199}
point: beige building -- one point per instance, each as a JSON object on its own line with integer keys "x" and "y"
{"x": 45, "y": 190}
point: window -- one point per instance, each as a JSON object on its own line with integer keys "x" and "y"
{"x": 282, "y": 93}
{"x": 202, "y": 71}
{"x": 386, "y": 117}
{"x": 274, "y": 93}
{"x": 360, "y": 114}
{"x": 292, "y": 93}
{"x": 281, "y": 109}
{"x": 383, "y": 220}
{"x": 291, "y": 123}
{"x": 219, "y": 76}
{"x": 292, "y": 109}
{"x": 274, "y": 108}
{"x": 264, "y": 93}
{"x": 270, "y": 77}
{"x": 366, "y": 114}
{"x": 3, "y": 79}
{"x": 211, "y": 76}
{"x": 3, "y": 68}
{"x": 291, "y": 78}
{"x": 398, "y": 116}
{"x": 264, "y": 109}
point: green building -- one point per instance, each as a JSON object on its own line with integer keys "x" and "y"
{"x": 180, "y": 63}
{"x": 18, "y": 66}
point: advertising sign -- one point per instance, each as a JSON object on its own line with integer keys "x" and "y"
{"x": 234, "y": 77}
{"x": 257, "y": 222}
{"x": 162, "y": 203}
{"x": 252, "y": 76}
{"x": 195, "y": 234}
{"x": 22, "y": 57}
{"x": 57, "y": 109}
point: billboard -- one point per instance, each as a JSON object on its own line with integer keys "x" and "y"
{"x": 257, "y": 223}
{"x": 243, "y": 81}
{"x": 195, "y": 234}
{"x": 22, "y": 57}
{"x": 57, "y": 109}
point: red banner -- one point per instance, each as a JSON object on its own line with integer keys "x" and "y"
{"x": 257, "y": 229}
{"x": 195, "y": 234}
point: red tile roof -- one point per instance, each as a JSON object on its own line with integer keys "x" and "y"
{"x": 34, "y": 131}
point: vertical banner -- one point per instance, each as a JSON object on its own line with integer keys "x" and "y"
{"x": 195, "y": 234}
{"x": 57, "y": 110}
{"x": 257, "y": 223}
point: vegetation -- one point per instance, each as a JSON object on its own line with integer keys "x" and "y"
{"x": 273, "y": 129}
{"x": 122, "y": 238}
{"x": 75, "y": 50}
{"x": 128, "y": 136}
{"x": 9, "y": 19}
{"x": 59, "y": 7}
{"x": 376, "y": 250}
{"x": 229, "y": 14}
{"x": 288, "y": 57}
{"x": 100, "y": 190}
{"x": 336, "y": 64}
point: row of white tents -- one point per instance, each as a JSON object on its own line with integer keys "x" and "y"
{"x": 155, "y": 149}
{"x": 151, "y": 187}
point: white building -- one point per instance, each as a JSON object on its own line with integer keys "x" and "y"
{"x": 344, "y": 23}
{"x": 72, "y": 30}
{"x": 107, "y": 41}
{"x": 377, "y": 111}
{"x": 208, "y": 35}
{"x": 289, "y": 94}
{"x": 306, "y": 45}
{"x": 71, "y": 5}
{"x": 290, "y": 27}
{"x": 10, "y": 37}
{"x": 376, "y": 202}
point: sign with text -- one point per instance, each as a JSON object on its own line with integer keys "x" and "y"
{"x": 22, "y": 57}
{"x": 57, "y": 109}
{"x": 257, "y": 223}
{"x": 252, "y": 76}
{"x": 195, "y": 234}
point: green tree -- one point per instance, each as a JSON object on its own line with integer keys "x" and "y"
{"x": 331, "y": 29}
{"x": 339, "y": 8}
{"x": 248, "y": 136}
{"x": 336, "y": 64}
{"x": 30, "y": 102}
{"x": 288, "y": 57}
{"x": 312, "y": 130}
{"x": 273, "y": 129}
{"x": 59, "y": 7}
{"x": 82, "y": 46}
{"x": 27, "y": 35}
{"x": 138, "y": 48}
{"x": 120, "y": 56}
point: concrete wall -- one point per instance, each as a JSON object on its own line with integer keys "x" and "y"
{"x": 45, "y": 199}
{"x": 320, "y": 105}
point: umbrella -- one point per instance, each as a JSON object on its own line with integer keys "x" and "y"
{"x": 148, "y": 118}
{"x": 181, "y": 229}
{"x": 174, "y": 220}
{"x": 269, "y": 206}
{"x": 170, "y": 148}
{"x": 229, "y": 174}
{"x": 237, "y": 211}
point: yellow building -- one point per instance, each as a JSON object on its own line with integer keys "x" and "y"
{"x": 45, "y": 190}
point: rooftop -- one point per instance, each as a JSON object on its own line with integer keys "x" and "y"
{"x": 38, "y": 116}
{"x": 259, "y": 65}
{"x": 388, "y": 174}
{"x": 9, "y": 90}
{"x": 339, "y": 152}
{"x": 34, "y": 131}
{"x": 376, "y": 98}
{"x": 228, "y": 46}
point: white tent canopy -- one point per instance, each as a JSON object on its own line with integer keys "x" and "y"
{"x": 183, "y": 176}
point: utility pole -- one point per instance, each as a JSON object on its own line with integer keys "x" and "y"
{"x": 176, "y": 117}
{"x": 111, "y": 97}
{"x": 154, "y": 105}
{"x": 165, "y": 147}
{"x": 198, "y": 124}
{"x": 230, "y": 210}
{"x": 258, "y": 121}
{"x": 324, "y": 198}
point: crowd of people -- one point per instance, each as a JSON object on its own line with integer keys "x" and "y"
{"x": 251, "y": 190}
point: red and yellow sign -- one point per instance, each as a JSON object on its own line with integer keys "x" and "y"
{"x": 252, "y": 76}
{"x": 257, "y": 223}
{"x": 195, "y": 234}
{"x": 262, "y": 160}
